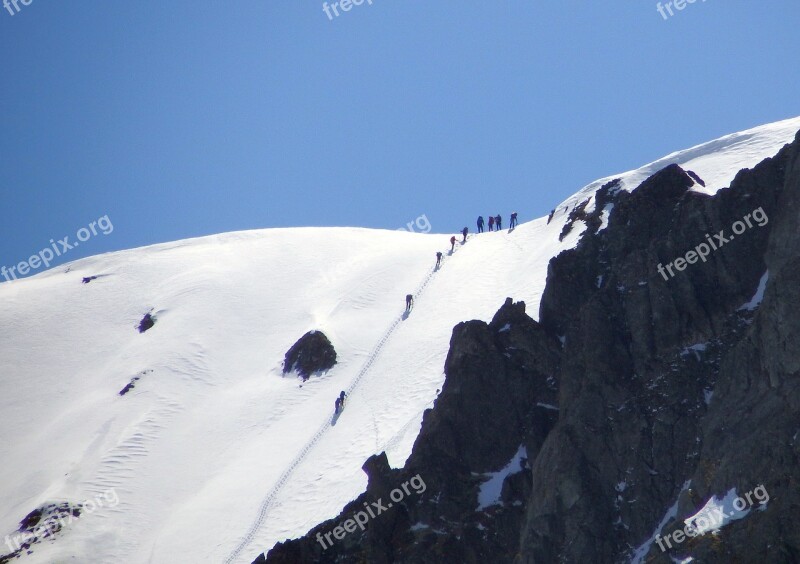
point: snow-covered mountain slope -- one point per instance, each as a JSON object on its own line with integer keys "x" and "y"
{"x": 194, "y": 451}
{"x": 212, "y": 423}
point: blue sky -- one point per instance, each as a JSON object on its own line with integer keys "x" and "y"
{"x": 179, "y": 119}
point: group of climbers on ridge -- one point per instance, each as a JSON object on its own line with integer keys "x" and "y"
{"x": 496, "y": 222}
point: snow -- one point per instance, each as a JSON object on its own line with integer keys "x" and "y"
{"x": 717, "y": 513}
{"x": 605, "y": 214}
{"x": 716, "y": 162}
{"x": 640, "y": 553}
{"x": 214, "y": 455}
{"x": 758, "y": 297}
{"x": 696, "y": 350}
{"x": 492, "y": 488}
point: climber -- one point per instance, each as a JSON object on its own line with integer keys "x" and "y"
{"x": 452, "y": 243}
{"x": 339, "y": 405}
{"x": 498, "y": 221}
{"x": 480, "y": 224}
{"x": 513, "y": 220}
{"x": 438, "y": 259}
{"x": 464, "y": 233}
{"x": 409, "y": 302}
{"x": 491, "y": 223}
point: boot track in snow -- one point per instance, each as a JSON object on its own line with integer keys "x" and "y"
{"x": 284, "y": 477}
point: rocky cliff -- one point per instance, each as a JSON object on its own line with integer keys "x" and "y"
{"x": 663, "y": 374}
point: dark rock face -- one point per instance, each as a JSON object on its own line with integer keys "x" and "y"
{"x": 635, "y": 424}
{"x": 637, "y": 392}
{"x": 313, "y": 352}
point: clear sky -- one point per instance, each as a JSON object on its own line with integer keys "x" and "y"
{"x": 179, "y": 119}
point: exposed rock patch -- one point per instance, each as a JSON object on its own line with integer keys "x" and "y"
{"x": 311, "y": 354}
{"x": 147, "y": 322}
{"x": 594, "y": 219}
{"x": 40, "y": 524}
{"x": 132, "y": 384}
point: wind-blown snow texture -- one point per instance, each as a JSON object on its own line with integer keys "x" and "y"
{"x": 196, "y": 446}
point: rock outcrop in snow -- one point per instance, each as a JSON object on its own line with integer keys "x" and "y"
{"x": 147, "y": 323}
{"x": 312, "y": 353}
